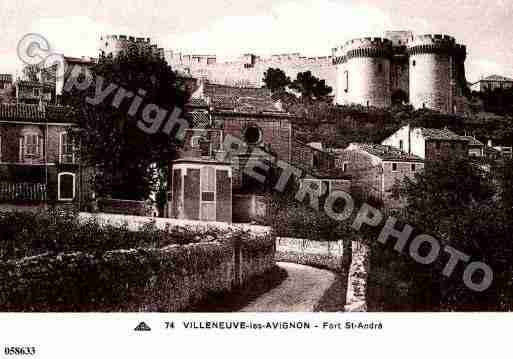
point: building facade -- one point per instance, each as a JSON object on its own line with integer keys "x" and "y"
{"x": 38, "y": 162}
{"x": 491, "y": 83}
{"x": 429, "y": 143}
{"x": 376, "y": 169}
{"x": 263, "y": 132}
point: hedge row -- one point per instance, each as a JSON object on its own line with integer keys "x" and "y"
{"x": 167, "y": 279}
{"x": 24, "y": 234}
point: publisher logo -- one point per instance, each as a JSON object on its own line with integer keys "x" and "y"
{"x": 19, "y": 351}
{"x": 142, "y": 327}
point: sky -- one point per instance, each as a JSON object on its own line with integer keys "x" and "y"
{"x": 230, "y": 28}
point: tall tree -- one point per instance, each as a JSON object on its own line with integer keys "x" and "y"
{"x": 128, "y": 160}
{"x": 276, "y": 80}
{"x": 310, "y": 87}
{"x": 457, "y": 203}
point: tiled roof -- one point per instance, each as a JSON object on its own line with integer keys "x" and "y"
{"x": 197, "y": 102}
{"x": 31, "y": 84}
{"x": 5, "y": 78}
{"x": 472, "y": 141}
{"x": 60, "y": 114}
{"x": 387, "y": 153}
{"x": 20, "y": 112}
{"x": 240, "y": 99}
{"x": 32, "y": 113}
{"x": 497, "y": 78}
{"x": 80, "y": 60}
{"x": 443, "y": 134}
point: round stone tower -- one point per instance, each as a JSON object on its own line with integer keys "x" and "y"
{"x": 432, "y": 78}
{"x": 363, "y": 72}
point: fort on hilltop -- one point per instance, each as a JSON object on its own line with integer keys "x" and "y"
{"x": 426, "y": 70}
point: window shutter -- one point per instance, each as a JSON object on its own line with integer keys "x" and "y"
{"x": 21, "y": 149}
{"x": 41, "y": 149}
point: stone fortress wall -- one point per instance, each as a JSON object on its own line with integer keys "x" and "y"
{"x": 116, "y": 44}
{"x": 434, "y": 64}
{"x": 363, "y": 72}
{"x": 427, "y": 70}
{"x": 248, "y": 70}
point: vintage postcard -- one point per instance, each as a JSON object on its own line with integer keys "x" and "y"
{"x": 282, "y": 175}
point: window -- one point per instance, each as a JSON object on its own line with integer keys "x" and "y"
{"x": 32, "y": 145}
{"x": 36, "y": 92}
{"x": 204, "y": 146}
{"x": 401, "y": 145}
{"x": 195, "y": 141}
{"x": 380, "y": 68}
{"x": 345, "y": 166}
{"x": 66, "y": 186}
{"x": 394, "y": 167}
{"x": 0, "y": 148}
{"x": 414, "y": 63}
{"x": 413, "y": 167}
{"x": 67, "y": 151}
{"x": 208, "y": 196}
{"x": 437, "y": 145}
{"x": 252, "y": 135}
{"x": 316, "y": 160}
{"x": 325, "y": 189}
{"x": 346, "y": 87}
{"x": 208, "y": 184}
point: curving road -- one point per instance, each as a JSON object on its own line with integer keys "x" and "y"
{"x": 299, "y": 292}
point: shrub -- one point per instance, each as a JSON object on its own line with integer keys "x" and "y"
{"x": 25, "y": 234}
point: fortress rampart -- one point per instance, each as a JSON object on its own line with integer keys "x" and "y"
{"x": 363, "y": 73}
{"x": 426, "y": 70}
{"x": 436, "y": 63}
{"x": 115, "y": 44}
{"x": 248, "y": 70}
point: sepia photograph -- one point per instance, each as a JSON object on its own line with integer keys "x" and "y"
{"x": 284, "y": 166}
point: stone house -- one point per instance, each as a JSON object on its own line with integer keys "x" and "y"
{"x": 38, "y": 162}
{"x": 32, "y": 92}
{"x": 376, "y": 169}
{"x": 206, "y": 180}
{"x": 429, "y": 143}
{"x": 491, "y": 83}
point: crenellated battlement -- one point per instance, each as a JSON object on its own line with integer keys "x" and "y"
{"x": 366, "y": 47}
{"x": 431, "y": 43}
{"x": 115, "y": 44}
{"x": 366, "y": 70}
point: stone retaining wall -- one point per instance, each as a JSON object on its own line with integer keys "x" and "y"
{"x": 168, "y": 279}
{"x": 357, "y": 280}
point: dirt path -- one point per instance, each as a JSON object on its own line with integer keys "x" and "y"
{"x": 299, "y": 292}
